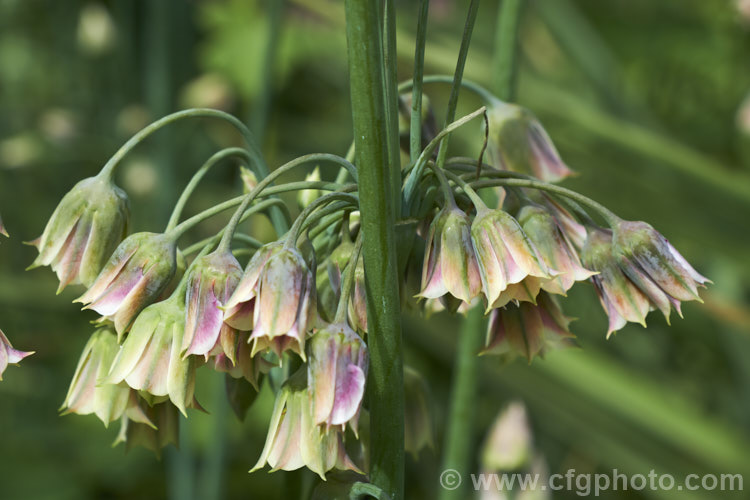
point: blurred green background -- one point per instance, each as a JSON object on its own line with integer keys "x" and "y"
{"x": 642, "y": 98}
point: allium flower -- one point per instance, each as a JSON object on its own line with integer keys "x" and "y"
{"x": 294, "y": 439}
{"x": 622, "y": 300}
{"x": 655, "y": 266}
{"x": 151, "y": 358}
{"x": 418, "y": 425}
{"x": 86, "y": 227}
{"x": 450, "y": 265}
{"x": 2, "y": 228}
{"x": 135, "y": 276}
{"x": 162, "y": 428}
{"x": 506, "y": 257}
{"x": 508, "y": 446}
{"x": 89, "y": 394}
{"x": 286, "y": 304}
{"x": 337, "y": 371}
{"x": 8, "y": 355}
{"x": 528, "y": 330}
{"x": 518, "y": 142}
{"x": 238, "y": 311}
{"x": 212, "y": 280}
{"x": 554, "y": 248}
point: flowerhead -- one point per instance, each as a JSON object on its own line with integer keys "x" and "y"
{"x": 518, "y": 142}
{"x": 450, "y": 264}
{"x": 88, "y": 393}
{"x": 8, "y": 355}
{"x": 84, "y": 230}
{"x": 527, "y": 329}
{"x": 212, "y": 280}
{"x": 337, "y": 371}
{"x": 151, "y": 360}
{"x": 509, "y": 265}
{"x": 135, "y": 276}
{"x": 294, "y": 439}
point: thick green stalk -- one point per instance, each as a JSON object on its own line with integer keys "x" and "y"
{"x": 385, "y": 385}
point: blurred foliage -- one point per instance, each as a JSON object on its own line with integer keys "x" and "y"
{"x": 640, "y": 96}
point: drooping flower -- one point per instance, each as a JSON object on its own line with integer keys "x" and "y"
{"x": 508, "y": 446}
{"x": 418, "y": 422}
{"x": 2, "y": 228}
{"x": 294, "y": 439}
{"x": 506, "y": 257}
{"x": 554, "y": 248}
{"x": 358, "y": 302}
{"x": 162, "y": 428}
{"x": 285, "y": 308}
{"x": 337, "y": 371}
{"x": 338, "y": 261}
{"x": 655, "y": 266}
{"x": 8, "y": 355}
{"x": 450, "y": 265}
{"x": 89, "y": 394}
{"x": 621, "y": 299}
{"x": 527, "y": 329}
{"x": 151, "y": 360}
{"x": 84, "y": 230}
{"x": 213, "y": 278}
{"x": 135, "y": 276}
{"x": 518, "y": 142}
{"x": 249, "y": 179}
{"x": 239, "y": 309}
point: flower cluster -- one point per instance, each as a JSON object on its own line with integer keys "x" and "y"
{"x": 167, "y": 310}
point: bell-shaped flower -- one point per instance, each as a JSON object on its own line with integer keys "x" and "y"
{"x": 506, "y": 257}
{"x": 518, "y": 142}
{"x": 294, "y": 439}
{"x": 508, "y": 446}
{"x": 622, "y": 300}
{"x": 655, "y": 266}
{"x": 84, "y": 230}
{"x": 419, "y": 428}
{"x": 527, "y": 329}
{"x": 135, "y": 276}
{"x": 450, "y": 265}
{"x": 8, "y": 355}
{"x": 213, "y": 278}
{"x": 554, "y": 248}
{"x": 162, "y": 428}
{"x": 337, "y": 371}
{"x": 286, "y": 305}
{"x": 151, "y": 360}
{"x": 239, "y": 309}
{"x": 89, "y": 394}
{"x": 2, "y": 228}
